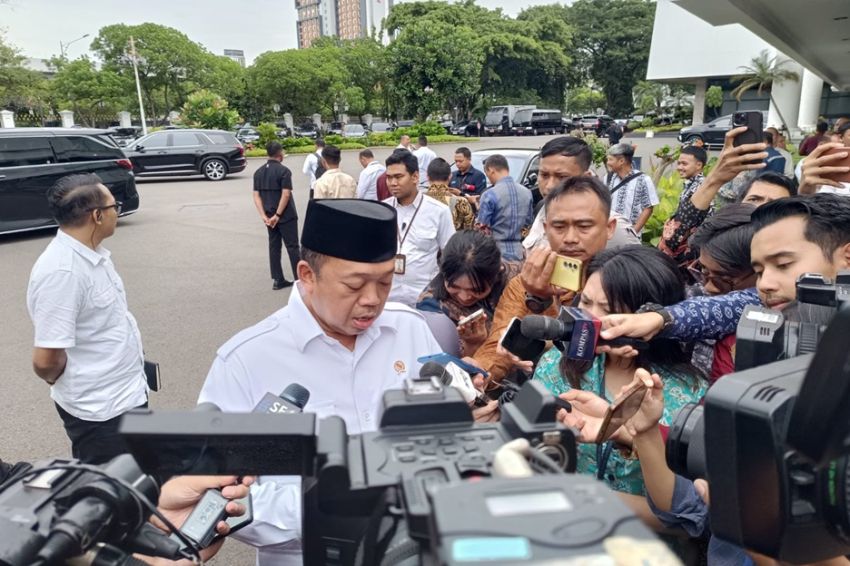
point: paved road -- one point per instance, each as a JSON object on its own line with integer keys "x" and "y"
{"x": 194, "y": 263}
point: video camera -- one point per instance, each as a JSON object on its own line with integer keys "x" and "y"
{"x": 771, "y": 440}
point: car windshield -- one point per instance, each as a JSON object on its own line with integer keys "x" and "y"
{"x": 588, "y": 117}
{"x": 354, "y": 128}
{"x": 380, "y": 126}
{"x": 516, "y": 163}
{"x": 522, "y": 116}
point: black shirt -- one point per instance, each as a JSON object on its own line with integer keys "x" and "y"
{"x": 473, "y": 182}
{"x": 270, "y": 180}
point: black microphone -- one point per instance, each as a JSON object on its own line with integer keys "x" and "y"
{"x": 458, "y": 378}
{"x": 292, "y": 400}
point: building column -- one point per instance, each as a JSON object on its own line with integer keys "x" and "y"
{"x": 124, "y": 119}
{"x": 810, "y": 98}
{"x": 67, "y": 118}
{"x": 7, "y": 119}
{"x": 785, "y": 98}
{"x": 699, "y": 102}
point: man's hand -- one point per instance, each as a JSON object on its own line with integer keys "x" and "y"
{"x": 651, "y": 408}
{"x": 644, "y": 325}
{"x": 587, "y": 415}
{"x": 489, "y": 413}
{"x": 733, "y": 160}
{"x": 537, "y": 271}
{"x": 473, "y": 334}
{"x": 273, "y": 221}
{"x": 180, "y": 495}
{"x": 817, "y": 165}
{"x": 523, "y": 365}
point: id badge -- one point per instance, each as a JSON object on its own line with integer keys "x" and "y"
{"x": 400, "y": 264}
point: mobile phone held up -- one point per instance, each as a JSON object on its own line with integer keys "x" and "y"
{"x": 526, "y": 349}
{"x": 755, "y": 127}
{"x": 469, "y": 318}
{"x": 622, "y": 409}
{"x": 845, "y": 162}
{"x": 567, "y": 273}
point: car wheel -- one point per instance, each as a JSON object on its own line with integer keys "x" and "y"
{"x": 467, "y": 134}
{"x": 693, "y": 139}
{"x": 214, "y": 170}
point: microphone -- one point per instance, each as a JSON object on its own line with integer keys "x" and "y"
{"x": 292, "y": 400}
{"x": 578, "y": 329}
{"x": 451, "y": 375}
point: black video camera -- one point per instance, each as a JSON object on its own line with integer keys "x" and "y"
{"x": 402, "y": 487}
{"x": 771, "y": 441}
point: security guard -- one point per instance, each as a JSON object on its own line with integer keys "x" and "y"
{"x": 337, "y": 337}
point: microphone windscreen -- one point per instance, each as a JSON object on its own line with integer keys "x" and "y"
{"x": 542, "y": 327}
{"x": 296, "y": 394}
{"x": 207, "y": 407}
{"x": 434, "y": 369}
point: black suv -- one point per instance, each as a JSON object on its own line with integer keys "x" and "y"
{"x": 33, "y": 159}
{"x": 211, "y": 153}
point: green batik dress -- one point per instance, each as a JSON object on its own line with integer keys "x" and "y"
{"x": 621, "y": 474}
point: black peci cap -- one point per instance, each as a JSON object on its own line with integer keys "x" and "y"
{"x": 352, "y": 229}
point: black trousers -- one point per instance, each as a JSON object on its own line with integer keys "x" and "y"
{"x": 94, "y": 442}
{"x": 288, "y": 232}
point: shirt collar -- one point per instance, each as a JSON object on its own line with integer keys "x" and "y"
{"x": 305, "y": 328}
{"x": 93, "y": 256}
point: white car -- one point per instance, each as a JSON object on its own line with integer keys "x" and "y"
{"x": 353, "y": 132}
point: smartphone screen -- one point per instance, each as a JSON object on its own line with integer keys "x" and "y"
{"x": 526, "y": 349}
{"x": 622, "y": 409}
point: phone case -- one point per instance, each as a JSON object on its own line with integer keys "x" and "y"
{"x": 515, "y": 342}
{"x": 839, "y": 177}
{"x": 567, "y": 273}
{"x": 755, "y": 128}
{"x": 622, "y": 409}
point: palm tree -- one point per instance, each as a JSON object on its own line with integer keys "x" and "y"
{"x": 763, "y": 72}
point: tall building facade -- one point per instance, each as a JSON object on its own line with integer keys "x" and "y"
{"x": 237, "y": 55}
{"x": 346, "y": 19}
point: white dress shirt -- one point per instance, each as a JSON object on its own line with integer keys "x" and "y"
{"x": 367, "y": 183}
{"x": 290, "y": 347}
{"x": 77, "y": 303}
{"x": 425, "y": 155}
{"x": 429, "y": 231}
{"x": 311, "y": 162}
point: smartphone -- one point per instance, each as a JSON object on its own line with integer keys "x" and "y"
{"x": 200, "y": 526}
{"x": 839, "y": 177}
{"x": 152, "y": 374}
{"x": 622, "y": 409}
{"x": 567, "y": 273}
{"x": 526, "y": 349}
{"x": 755, "y": 127}
{"x": 474, "y": 316}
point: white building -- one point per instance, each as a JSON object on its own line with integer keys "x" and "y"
{"x": 707, "y": 42}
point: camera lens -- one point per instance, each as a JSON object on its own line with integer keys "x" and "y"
{"x": 686, "y": 442}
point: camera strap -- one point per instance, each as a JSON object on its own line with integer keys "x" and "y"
{"x": 603, "y": 454}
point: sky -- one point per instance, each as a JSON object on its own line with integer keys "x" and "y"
{"x": 37, "y": 26}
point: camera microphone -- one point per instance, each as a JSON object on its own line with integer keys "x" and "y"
{"x": 451, "y": 375}
{"x": 292, "y": 400}
{"x": 578, "y": 329}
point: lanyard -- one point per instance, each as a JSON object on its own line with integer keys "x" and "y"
{"x": 603, "y": 451}
{"x": 402, "y": 237}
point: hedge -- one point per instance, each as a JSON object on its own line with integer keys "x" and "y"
{"x": 306, "y": 145}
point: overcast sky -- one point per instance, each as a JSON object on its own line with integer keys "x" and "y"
{"x": 37, "y": 26}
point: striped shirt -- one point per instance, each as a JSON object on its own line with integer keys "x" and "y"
{"x": 506, "y": 208}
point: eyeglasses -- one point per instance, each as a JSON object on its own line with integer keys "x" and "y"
{"x": 117, "y": 206}
{"x": 724, "y": 283}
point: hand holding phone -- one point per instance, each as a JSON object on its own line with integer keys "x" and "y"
{"x": 753, "y": 121}
{"x": 567, "y": 273}
{"x": 622, "y": 409}
{"x": 469, "y": 318}
{"x": 526, "y": 349}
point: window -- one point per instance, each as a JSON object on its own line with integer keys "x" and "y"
{"x": 159, "y": 139}
{"x": 184, "y": 139}
{"x": 222, "y": 139}
{"x": 80, "y": 148}
{"x": 15, "y": 152}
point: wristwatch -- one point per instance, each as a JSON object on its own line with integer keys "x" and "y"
{"x": 536, "y": 304}
{"x": 656, "y": 308}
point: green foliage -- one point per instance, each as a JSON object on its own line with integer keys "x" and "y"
{"x": 89, "y": 92}
{"x": 20, "y": 88}
{"x": 763, "y": 71}
{"x": 612, "y": 46}
{"x": 334, "y": 139}
{"x": 669, "y": 188}
{"x": 268, "y": 134}
{"x": 714, "y": 96}
{"x": 300, "y": 149}
{"x": 292, "y": 143}
{"x": 649, "y": 96}
{"x": 429, "y": 128}
{"x": 597, "y": 146}
{"x": 584, "y": 100}
{"x": 204, "y": 109}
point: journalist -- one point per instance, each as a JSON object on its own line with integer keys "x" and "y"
{"x": 622, "y": 280}
{"x": 792, "y": 236}
{"x": 338, "y": 337}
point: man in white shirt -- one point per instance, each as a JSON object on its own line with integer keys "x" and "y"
{"x": 367, "y": 184}
{"x": 424, "y": 155}
{"x": 87, "y": 344}
{"x": 334, "y": 183}
{"x": 312, "y": 162}
{"x": 632, "y": 191}
{"x": 424, "y": 227}
{"x": 338, "y": 337}
{"x": 404, "y": 143}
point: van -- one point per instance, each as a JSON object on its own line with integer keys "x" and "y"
{"x": 536, "y": 122}
{"x": 33, "y": 159}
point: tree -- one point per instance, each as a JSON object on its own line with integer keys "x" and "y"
{"x": 714, "y": 96}
{"x": 204, "y": 109}
{"x": 584, "y": 100}
{"x": 762, "y": 73}
{"x": 649, "y": 97}
{"x": 89, "y": 92}
{"x": 612, "y": 46}
{"x": 20, "y": 88}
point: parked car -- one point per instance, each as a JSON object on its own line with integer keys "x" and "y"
{"x": 336, "y": 128}
{"x": 247, "y": 135}
{"x": 33, "y": 159}
{"x": 124, "y": 136}
{"x": 211, "y": 153}
{"x": 305, "y": 131}
{"x": 447, "y": 125}
{"x": 405, "y": 123}
{"x": 622, "y": 122}
{"x": 465, "y": 128}
{"x": 711, "y": 134}
{"x": 569, "y": 124}
{"x": 523, "y": 163}
{"x": 536, "y": 122}
{"x": 381, "y": 127}
{"x": 353, "y": 132}
{"x": 597, "y": 123}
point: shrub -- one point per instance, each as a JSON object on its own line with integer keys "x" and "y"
{"x": 289, "y": 143}
{"x": 429, "y": 128}
{"x": 669, "y": 188}
{"x": 268, "y": 134}
{"x": 334, "y": 139}
{"x": 204, "y": 109}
